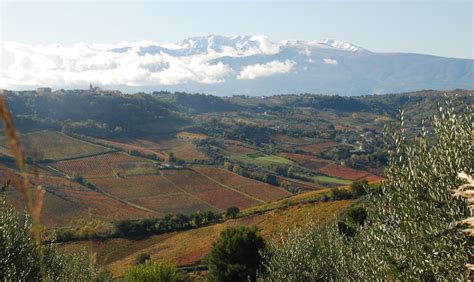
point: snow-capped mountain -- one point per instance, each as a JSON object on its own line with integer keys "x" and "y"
{"x": 252, "y": 65}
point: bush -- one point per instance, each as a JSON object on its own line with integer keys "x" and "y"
{"x": 142, "y": 258}
{"x": 236, "y": 255}
{"x": 152, "y": 271}
{"x": 232, "y": 212}
{"x": 22, "y": 260}
{"x": 359, "y": 188}
{"x": 409, "y": 227}
{"x": 340, "y": 194}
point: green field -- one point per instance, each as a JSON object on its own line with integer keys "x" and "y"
{"x": 334, "y": 180}
{"x": 256, "y": 158}
{"x": 272, "y": 159}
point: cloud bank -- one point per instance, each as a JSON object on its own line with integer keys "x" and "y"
{"x": 330, "y": 61}
{"x": 262, "y": 70}
{"x": 81, "y": 64}
{"x": 142, "y": 63}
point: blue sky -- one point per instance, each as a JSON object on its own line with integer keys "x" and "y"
{"x": 437, "y": 28}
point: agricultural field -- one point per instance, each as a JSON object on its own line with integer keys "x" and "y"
{"x": 65, "y": 201}
{"x": 209, "y": 190}
{"x": 181, "y": 149}
{"x": 318, "y": 147}
{"x": 344, "y": 172}
{"x": 190, "y": 135}
{"x": 332, "y": 180}
{"x": 174, "y": 203}
{"x": 235, "y": 147}
{"x": 254, "y": 188}
{"x": 289, "y": 140}
{"x": 189, "y": 247}
{"x": 258, "y": 158}
{"x": 129, "y": 148}
{"x": 154, "y": 192}
{"x": 306, "y": 161}
{"x": 297, "y": 184}
{"x": 134, "y": 168}
{"x": 105, "y": 165}
{"x": 55, "y": 146}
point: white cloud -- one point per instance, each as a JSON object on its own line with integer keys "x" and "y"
{"x": 305, "y": 52}
{"x": 57, "y": 66}
{"x": 330, "y": 61}
{"x": 261, "y": 70}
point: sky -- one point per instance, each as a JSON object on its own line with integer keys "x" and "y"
{"x": 427, "y": 27}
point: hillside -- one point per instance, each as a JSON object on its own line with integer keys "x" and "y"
{"x": 122, "y": 182}
{"x": 210, "y": 153}
{"x": 187, "y": 248}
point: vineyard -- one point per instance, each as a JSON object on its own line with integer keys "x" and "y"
{"x": 257, "y": 189}
{"x": 53, "y": 146}
{"x": 96, "y": 166}
{"x": 344, "y": 172}
{"x": 318, "y": 147}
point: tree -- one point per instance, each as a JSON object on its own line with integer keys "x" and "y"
{"x": 232, "y": 212}
{"x": 413, "y": 229}
{"x": 152, "y": 271}
{"x": 358, "y": 188}
{"x": 409, "y": 229}
{"x": 236, "y": 255}
{"x": 21, "y": 259}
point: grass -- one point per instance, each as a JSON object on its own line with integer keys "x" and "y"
{"x": 333, "y": 180}
{"x": 190, "y": 135}
{"x": 257, "y": 158}
{"x": 303, "y": 197}
{"x": 273, "y": 159}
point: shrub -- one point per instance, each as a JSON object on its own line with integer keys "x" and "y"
{"x": 410, "y": 227}
{"x": 232, "y": 212}
{"x": 23, "y": 260}
{"x": 152, "y": 271}
{"x": 359, "y": 188}
{"x": 236, "y": 255}
{"x": 142, "y": 258}
{"x": 340, "y": 194}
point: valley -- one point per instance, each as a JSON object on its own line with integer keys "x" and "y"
{"x": 184, "y": 160}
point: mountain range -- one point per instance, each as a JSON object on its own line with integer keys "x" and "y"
{"x": 220, "y": 65}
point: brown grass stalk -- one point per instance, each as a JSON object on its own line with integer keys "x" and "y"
{"x": 32, "y": 197}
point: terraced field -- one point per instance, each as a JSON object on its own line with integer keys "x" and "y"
{"x": 54, "y": 146}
